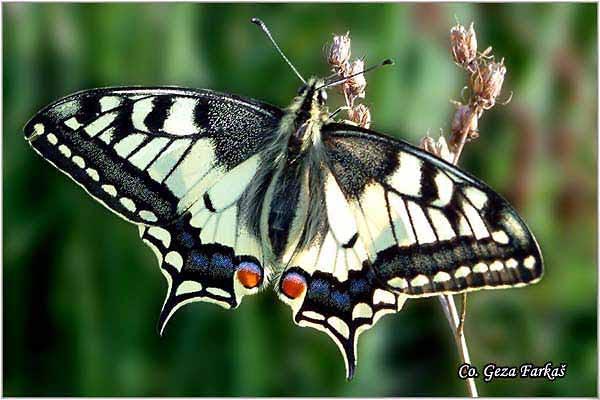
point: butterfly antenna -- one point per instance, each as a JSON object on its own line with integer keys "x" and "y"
{"x": 264, "y": 28}
{"x": 387, "y": 61}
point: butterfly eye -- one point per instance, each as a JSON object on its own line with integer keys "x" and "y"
{"x": 322, "y": 97}
{"x": 301, "y": 90}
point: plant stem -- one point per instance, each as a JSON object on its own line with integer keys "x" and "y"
{"x": 449, "y": 308}
{"x": 457, "y": 323}
{"x": 464, "y": 133}
{"x": 463, "y": 314}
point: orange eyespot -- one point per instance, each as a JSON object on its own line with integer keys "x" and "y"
{"x": 293, "y": 285}
{"x": 249, "y": 274}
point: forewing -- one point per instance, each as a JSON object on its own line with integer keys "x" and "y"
{"x": 176, "y": 162}
{"x": 148, "y": 153}
{"x": 429, "y": 227}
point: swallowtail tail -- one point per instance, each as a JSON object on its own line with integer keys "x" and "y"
{"x": 233, "y": 194}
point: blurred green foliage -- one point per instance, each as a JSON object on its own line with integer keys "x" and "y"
{"x": 82, "y": 293}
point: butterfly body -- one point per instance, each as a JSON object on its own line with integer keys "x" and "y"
{"x": 232, "y": 194}
{"x": 295, "y": 158}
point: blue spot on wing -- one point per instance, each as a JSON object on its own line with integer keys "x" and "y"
{"x": 198, "y": 260}
{"x": 359, "y": 286}
{"x": 186, "y": 239}
{"x": 340, "y": 301}
{"x": 319, "y": 288}
{"x": 222, "y": 262}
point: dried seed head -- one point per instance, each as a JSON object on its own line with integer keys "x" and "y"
{"x": 439, "y": 148}
{"x": 464, "y": 123}
{"x": 339, "y": 51}
{"x": 487, "y": 83}
{"x": 462, "y": 118}
{"x": 463, "y": 44}
{"x": 361, "y": 116}
{"x": 355, "y": 86}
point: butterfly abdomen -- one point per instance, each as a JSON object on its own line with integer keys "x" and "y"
{"x": 285, "y": 207}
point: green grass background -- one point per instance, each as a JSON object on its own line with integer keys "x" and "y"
{"x": 81, "y": 292}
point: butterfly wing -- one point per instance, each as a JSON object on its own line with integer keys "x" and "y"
{"x": 329, "y": 282}
{"x": 399, "y": 223}
{"x": 175, "y": 162}
{"x": 430, "y": 227}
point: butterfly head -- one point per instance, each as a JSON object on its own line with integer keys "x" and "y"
{"x": 311, "y": 102}
{"x": 313, "y": 91}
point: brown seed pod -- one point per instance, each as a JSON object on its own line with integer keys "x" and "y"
{"x": 339, "y": 52}
{"x": 487, "y": 83}
{"x": 361, "y": 116}
{"x": 463, "y": 44}
{"x": 355, "y": 86}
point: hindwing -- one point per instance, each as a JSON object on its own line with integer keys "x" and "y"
{"x": 200, "y": 267}
{"x": 330, "y": 283}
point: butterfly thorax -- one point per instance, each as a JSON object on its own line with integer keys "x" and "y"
{"x": 294, "y": 188}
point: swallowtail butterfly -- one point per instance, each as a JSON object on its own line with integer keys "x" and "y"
{"x": 233, "y": 195}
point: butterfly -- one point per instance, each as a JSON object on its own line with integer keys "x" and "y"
{"x": 234, "y": 195}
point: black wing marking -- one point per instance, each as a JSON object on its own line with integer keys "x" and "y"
{"x": 210, "y": 259}
{"x": 330, "y": 283}
{"x": 147, "y": 153}
{"x": 430, "y": 227}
